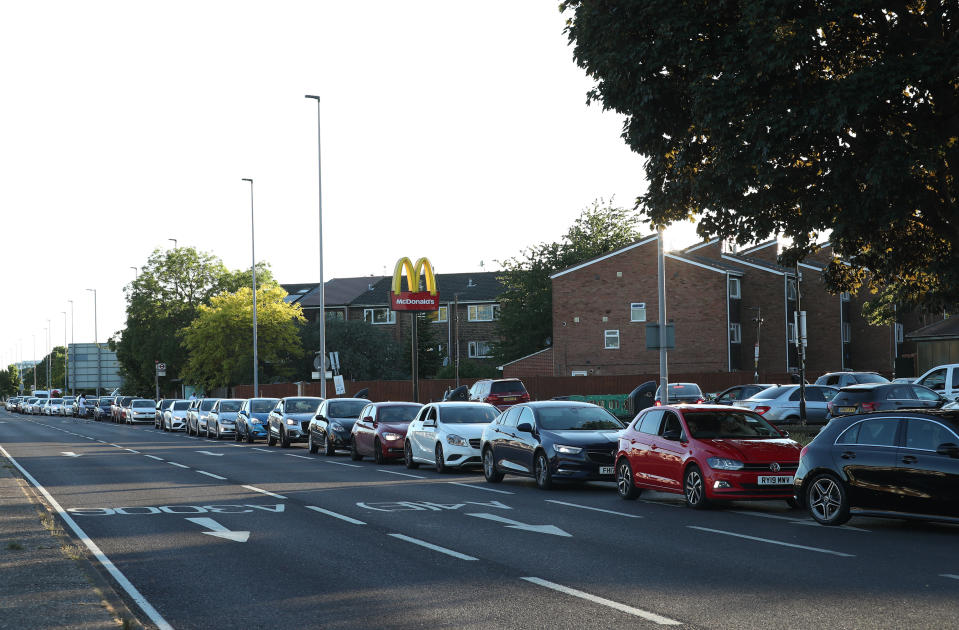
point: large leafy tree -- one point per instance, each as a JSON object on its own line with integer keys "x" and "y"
{"x": 525, "y": 322}
{"x": 219, "y": 342}
{"x": 164, "y": 299}
{"x": 765, "y": 117}
{"x": 367, "y": 352}
{"x": 9, "y": 381}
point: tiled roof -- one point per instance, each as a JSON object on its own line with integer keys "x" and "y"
{"x": 340, "y": 291}
{"x": 945, "y": 329}
{"x": 481, "y": 286}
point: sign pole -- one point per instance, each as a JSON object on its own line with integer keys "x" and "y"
{"x": 661, "y": 291}
{"x": 156, "y": 379}
{"x": 416, "y": 357}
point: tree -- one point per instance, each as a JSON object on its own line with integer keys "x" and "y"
{"x": 367, "y": 353}
{"x": 525, "y": 323}
{"x": 9, "y": 381}
{"x": 219, "y": 342}
{"x": 765, "y": 117}
{"x": 429, "y": 359}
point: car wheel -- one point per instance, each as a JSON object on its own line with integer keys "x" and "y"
{"x": 408, "y": 456}
{"x": 440, "y": 459}
{"x": 249, "y": 437}
{"x": 827, "y": 501}
{"x": 309, "y": 441}
{"x": 270, "y": 440}
{"x": 694, "y": 488}
{"x": 544, "y": 478}
{"x": 284, "y": 440}
{"x": 328, "y": 448}
{"x": 489, "y": 467}
{"x": 354, "y": 454}
{"x": 624, "y": 481}
{"x": 378, "y": 452}
{"x": 236, "y": 434}
{"x": 793, "y": 503}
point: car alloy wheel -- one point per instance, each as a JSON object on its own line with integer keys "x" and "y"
{"x": 827, "y": 500}
{"x": 694, "y": 488}
{"x": 408, "y": 456}
{"x": 624, "y": 481}
{"x": 544, "y": 479}
{"x": 440, "y": 459}
{"x": 489, "y": 467}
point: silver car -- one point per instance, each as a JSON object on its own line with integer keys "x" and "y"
{"x": 780, "y": 405}
{"x": 198, "y": 416}
{"x": 222, "y": 418}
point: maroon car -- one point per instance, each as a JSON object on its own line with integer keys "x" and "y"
{"x": 380, "y": 430}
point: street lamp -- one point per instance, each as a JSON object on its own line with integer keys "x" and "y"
{"x": 319, "y": 167}
{"x": 759, "y": 326}
{"x": 256, "y": 369}
{"x": 174, "y": 242}
{"x": 64, "y": 313}
{"x": 136, "y": 272}
{"x": 74, "y": 388}
{"x": 49, "y": 357}
{"x": 95, "y": 342}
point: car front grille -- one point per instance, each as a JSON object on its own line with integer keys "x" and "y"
{"x": 600, "y": 456}
{"x": 305, "y": 425}
{"x": 475, "y": 443}
{"x": 784, "y": 467}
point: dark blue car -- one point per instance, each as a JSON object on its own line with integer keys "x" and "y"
{"x": 551, "y": 441}
{"x": 251, "y": 420}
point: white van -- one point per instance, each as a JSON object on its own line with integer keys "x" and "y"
{"x": 942, "y": 379}
{"x": 41, "y": 393}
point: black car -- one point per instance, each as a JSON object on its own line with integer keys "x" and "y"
{"x": 681, "y": 393}
{"x": 734, "y": 394}
{"x": 882, "y": 397}
{"x": 332, "y": 428}
{"x": 901, "y": 464}
{"x": 551, "y": 440}
{"x": 102, "y": 410}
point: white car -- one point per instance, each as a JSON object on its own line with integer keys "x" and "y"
{"x": 50, "y": 406}
{"x": 66, "y": 407}
{"x": 447, "y": 435}
{"x": 174, "y": 416}
{"x": 141, "y": 410}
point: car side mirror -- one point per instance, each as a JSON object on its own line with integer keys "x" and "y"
{"x": 672, "y": 436}
{"x": 950, "y": 449}
{"x": 524, "y": 427}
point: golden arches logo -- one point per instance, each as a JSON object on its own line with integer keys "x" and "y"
{"x": 413, "y": 299}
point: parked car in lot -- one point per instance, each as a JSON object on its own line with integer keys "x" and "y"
{"x": 290, "y": 420}
{"x": 844, "y": 379}
{"x": 706, "y": 453}
{"x": 681, "y": 393}
{"x": 500, "y": 392}
{"x": 942, "y": 379}
{"x": 447, "y": 435}
{"x": 27, "y": 404}
{"x": 251, "y": 420}
{"x": 140, "y": 410}
{"x": 66, "y": 406}
{"x": 222, "y": 419}
{"x": 902, "y": 464}
{"x": 11, "y": 403}
{"x": 732, "y": 395}
{"x": 162, "y": 405}
{"x": 50, "y": 406}
{"x": 332, "y": 426}
{"x": 119, "y": 408}
{"x": 102, "y": 411}
{"x": 551, "y": 441}
{"x": 198, "y": 414}
{"x": 380, "y": 430}
{"x": 780, "y": 405}
{"x": 174, "y": 416}
{"x": 882, "y": 397}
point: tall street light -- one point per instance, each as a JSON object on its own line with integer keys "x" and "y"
{"x": 74, "y": 387}
{"x": 174, "y": 242}
{"x": 49, "y": 356}
{"x": 95, "y": 342}
{"x": 136, "y": 272}
{"x": 34, "y": 361}
{"x": 319, "y": 188}
{"x": 64, "y": 313}
{"x": 256, "y": 369}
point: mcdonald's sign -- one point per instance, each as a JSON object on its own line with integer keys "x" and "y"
{"x": 413, "y": 299}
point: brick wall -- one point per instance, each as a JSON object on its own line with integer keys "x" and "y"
{"x": 536, "y": 364}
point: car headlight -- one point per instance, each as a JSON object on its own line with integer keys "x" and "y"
{"x": 290, "y": 421}
{"x": 392, "y": 436}
{"x": 567, "y": 450}
{"x": 456, "y": 440}
{"x": 722, "y": 463}
{"x": 336, "y": 426}
{"x": 254, "y": 421}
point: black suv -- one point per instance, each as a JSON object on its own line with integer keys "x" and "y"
{"x": 882, "y": 397}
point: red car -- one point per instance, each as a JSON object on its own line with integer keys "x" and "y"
{"x": 380, "y": 431}
{"x": 707, "y": 453}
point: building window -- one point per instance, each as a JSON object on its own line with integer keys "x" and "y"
{"x": 379, "y": 316}
{"x": 735, "y": 333}
{"x": 637, "y": 312}
{"x": 734, "y": 293}
{"x": 844, "y": 296}
{"x": 612, "y": 339}
{"x": 440, "y": 316}
{"x": 791, "y": 332}
{"x": 846, "y": 332}
{"x": 479, "y": 350}
{"x": 483, "y": 312}
{"x": 791, "y": 289}
{"x": 335, "y": 315}
{"x": 578, "y": 373}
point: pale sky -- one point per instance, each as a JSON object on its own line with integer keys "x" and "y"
{"x": 453, "y": 130}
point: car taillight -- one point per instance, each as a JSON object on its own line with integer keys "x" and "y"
{"x": 700, "y": 401}
{"x": 870, "y": 406}
{"x": 657, "y": 404}
{"x": 761, "y": 409}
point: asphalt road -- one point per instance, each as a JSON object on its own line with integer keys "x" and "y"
{"x": 313, "y": 541}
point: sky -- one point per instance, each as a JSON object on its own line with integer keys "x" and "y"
{"x": 453, "y": 130}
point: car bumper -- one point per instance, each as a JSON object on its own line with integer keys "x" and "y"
{"x": 744, "y": 485}
{"x": 461, "y": 456}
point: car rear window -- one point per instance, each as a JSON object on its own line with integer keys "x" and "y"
{"x": 855, "y": 396}
{"x": 772, "y": 392}
{"x": 684, "y": 389}
{"x": 507, "y": 387}
{"x": 397, "y": 413}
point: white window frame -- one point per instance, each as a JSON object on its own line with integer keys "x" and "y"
{"x": 846, "y": 332}
{"x": 473, "y": 312}
{"x": 791, "y": 289}
{"x": 734, "y": 282}
{"x": 369, "y": 316}
{"x": 473, "y": 350}
{"x": 578, "y": 373}
{"x": 735, "y": 333}
{"x": 441, "y": 315}
{"x": 608, "y": 337}
{"x": 634, "y": 315}
{"x": 791, "y": 333}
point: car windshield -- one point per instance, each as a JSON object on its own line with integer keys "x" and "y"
{"x": 56, "y": 401}
{"x": 206, "y": 405}
{"x": 715, "y": 425}
{"x": 142, "y": 404}
{"x": 585, "y": 418}
{"x": 869, "y": 378}
{"x": 230, "y": 405}
{"x": 263, "y": 406}
{"x": 347, "y": 408}
{"x": 302, "y": 405}
{"x": 507, "y": 387}
{"x": 180, "y": 405}
{"x": 772, "y": 392}
{"x": 397, "y": 413}
{"x": 468, "y": 415}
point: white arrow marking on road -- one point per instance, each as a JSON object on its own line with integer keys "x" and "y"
{"x": 209, "y": 453}
{"x": 219, "y": 530}
{"x": 69, "y": 453}
{"x": 541, "y": 529}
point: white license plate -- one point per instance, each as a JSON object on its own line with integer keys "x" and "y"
{"x": 606, "y": 470}
{"x": 773, "y": 480}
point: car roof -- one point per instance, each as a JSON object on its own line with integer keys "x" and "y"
{"x": 859, "y": 387}
{"x": 949, "y": 417}
{"x": 536, "y": 404}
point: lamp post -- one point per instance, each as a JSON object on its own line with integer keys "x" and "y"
{"x": 64, "y": 313}
{"x": 136, "y": 272}
{"x": 759, "y": 326}
{"x": 174, "y": 242}
{"x": 319, "y": 187}
{"x": 95, "y": 342}
{"x": 34, "y": 361}
{"x": 49, "y": 356}
{"x": 256, "y": 367}
{"x": 74, "y": 387}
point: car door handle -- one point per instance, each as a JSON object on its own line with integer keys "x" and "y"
{"x": 910, "y": 459}
{"x": 848, "y": 455}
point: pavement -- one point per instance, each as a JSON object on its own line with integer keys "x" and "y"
{"x": 47, "y": 580}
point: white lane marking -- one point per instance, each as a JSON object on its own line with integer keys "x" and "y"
{"x": 539, "y": 529}
{"x": 300, "y": 456}
{"x": 262, "y": 450}
{"x": 219, "y": 530}
{"x": 345, "y": 464}
{"x": 267, "y": 492}
{"x": 121, "y": 579}
{"x": 159, "y": 459}
{"x": 335, "y": 515}
{"x": 423, "y": 543}
{"x": 88, "y": 437}
{"x": 595, "y": 509}
{"x": 203, "y": 472}
{"x": 840, "y": 527}
{"x": 772, "y": 542}
{"x": 393, "y": 472}
{"x": 132, "y": 451}
{"x": 209, "y": 453}
{"x": 949, "y": 575}
{"x": 101, "y": 441}
{"x": 177, "y": 465}
{"x": 116, "y": 445}
{"x": 69, "y": 453}
{"x": 645, "y": 614}
{"x": 466, "y": 485}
